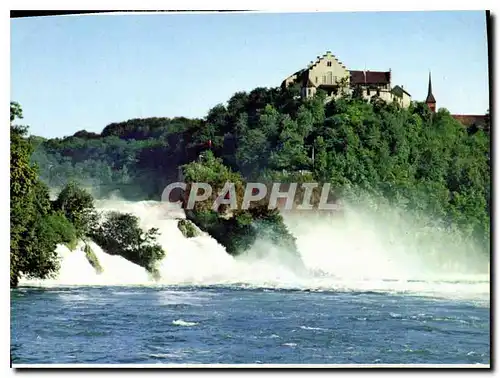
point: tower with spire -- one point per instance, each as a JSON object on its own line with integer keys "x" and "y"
{"x": 430, "y": 100}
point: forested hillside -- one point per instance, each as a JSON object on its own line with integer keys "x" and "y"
{"x": 421, "y": 161}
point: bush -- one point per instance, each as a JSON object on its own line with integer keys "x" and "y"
{"x": 187, "y": 228}
{"x": 64, "y": 229}
{"x": 120, "y": 234}
{"x": 39, "y": 258}
{"x": 78, "y": 206}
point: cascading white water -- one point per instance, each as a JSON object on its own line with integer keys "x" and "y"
{"x": 361, "y": 251}
{"x": 75, "y": 270}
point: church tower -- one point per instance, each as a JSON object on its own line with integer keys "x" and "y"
{"x": 430, "y": 100}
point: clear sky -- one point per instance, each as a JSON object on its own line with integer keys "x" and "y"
{"x": 84, "y": 72}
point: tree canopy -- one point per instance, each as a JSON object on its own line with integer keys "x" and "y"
{"x": 38, "y": 224}
{"x": 420, "y": 161}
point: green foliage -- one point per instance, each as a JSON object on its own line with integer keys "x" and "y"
{"x": 236, "y": 229}
{"x": 38, "y": 225}
{"x": 78, "y": 206}
{"x": 421, "y": 161}
{"x": 120, "y": 234}
{"x": 33, "y": 250}
{"x": 33, "y": 235}
{"x": 187, "y": 228}
{"x": 92, "y": 259}
{"x": 209, "y": 169}
{"x": 63, "y": 228}
{"x": 15, "y": 111}
{"x": 37, "y": 257}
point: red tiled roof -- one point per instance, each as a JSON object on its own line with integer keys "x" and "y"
{"x": 469, "y": 119}
{"x": 370, "y": 77}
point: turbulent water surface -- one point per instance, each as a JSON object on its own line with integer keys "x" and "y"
{"x": 236, "y": 325}
{"x": 366, "y": 291}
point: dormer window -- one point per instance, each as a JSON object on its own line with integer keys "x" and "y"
{"x": 329, "y": 64}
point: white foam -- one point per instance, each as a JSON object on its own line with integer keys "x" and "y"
{"x": 76, "y": 270}
{"x": 183, "y": 323}
{"x": 361, "y": 252}
{"x": 313, "y": 328}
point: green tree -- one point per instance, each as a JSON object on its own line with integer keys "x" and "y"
{"x": 420, "y": 161}
{"x": 78, "y": 206}
{"x": 35, "y": 229}
{"x": 290, "y": 153}
{"x": 121, "y": 234}
{"x": 236, "y": 229}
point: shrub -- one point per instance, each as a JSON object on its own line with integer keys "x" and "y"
{"x": 187, "y": 228}
{"x": 120, "y": 234}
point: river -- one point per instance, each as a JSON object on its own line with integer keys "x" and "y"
{"x": 374, "y": 292}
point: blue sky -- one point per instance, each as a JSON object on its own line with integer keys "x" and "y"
{"x": 84, "y": 72}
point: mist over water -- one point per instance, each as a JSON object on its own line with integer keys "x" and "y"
{"x": 366, "y": 249}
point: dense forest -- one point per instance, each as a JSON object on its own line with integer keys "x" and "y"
{"x": 421, "y": 161}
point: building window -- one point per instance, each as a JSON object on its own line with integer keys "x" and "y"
{"x": 324, "y": 79}
{"x": 368, "y": 91}
{"x": 329, "y": 64}
{"x": 378, "y": 92}
{"x": 316, "y": 80}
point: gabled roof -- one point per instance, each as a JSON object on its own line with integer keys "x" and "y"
{"x": 370, "y": 77}
{"x": 398, "y": 88}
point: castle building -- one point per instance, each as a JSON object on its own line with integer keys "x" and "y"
{"x": 326, "y": 73}
{"x": 332, "y": 76}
